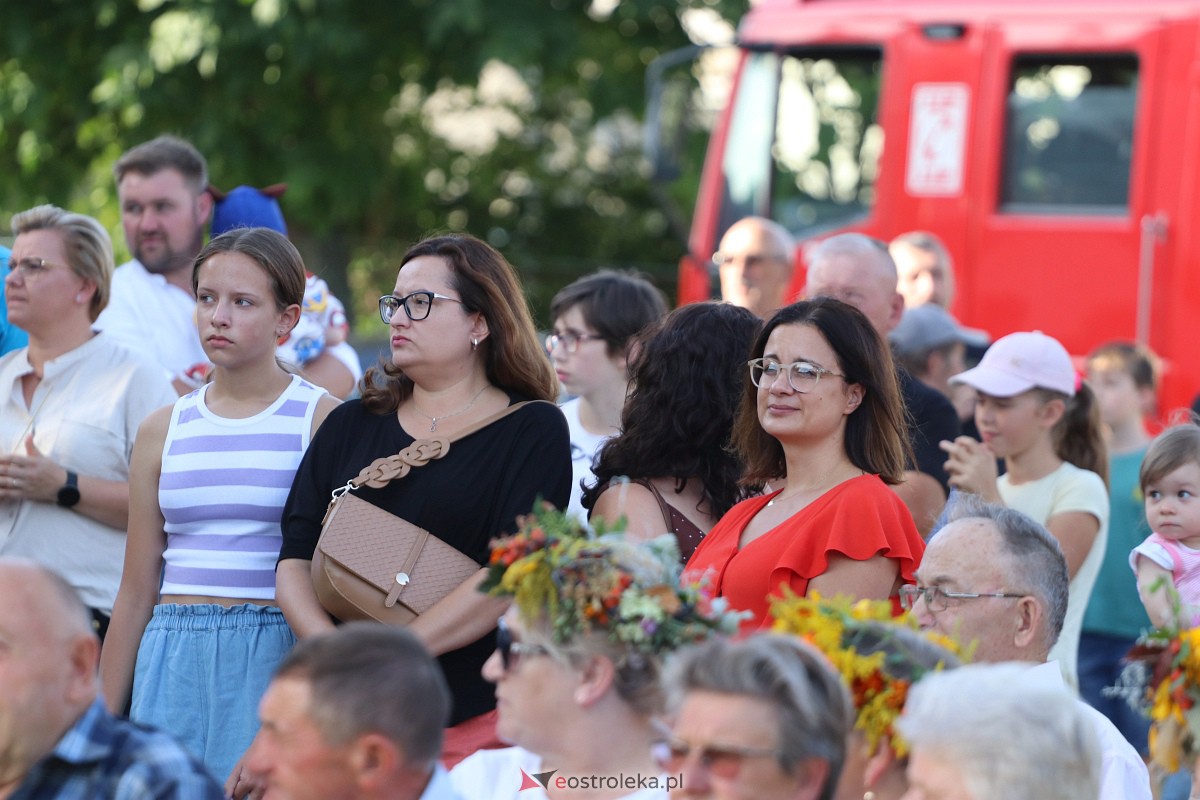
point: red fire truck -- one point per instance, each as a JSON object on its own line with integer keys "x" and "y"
{"x": 1053, "y": 145}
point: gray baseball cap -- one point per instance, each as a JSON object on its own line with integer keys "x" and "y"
{"x": 928, "y": 327}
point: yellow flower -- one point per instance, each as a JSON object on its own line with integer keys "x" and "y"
{"x": 830, "y": 626}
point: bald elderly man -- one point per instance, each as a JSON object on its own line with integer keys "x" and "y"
{"x": 755, "y": 265}
{"x": 57, "y": 740}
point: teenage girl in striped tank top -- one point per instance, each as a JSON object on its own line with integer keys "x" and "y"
{"x": 195, "y": 631}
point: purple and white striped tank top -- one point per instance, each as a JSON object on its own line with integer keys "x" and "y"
{"x": 222, "y": 490}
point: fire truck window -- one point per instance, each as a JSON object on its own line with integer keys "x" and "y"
{"x": 827, "y": 140}
{"x": 745, "y": 166}
{"x": 815, "y": 113}
{"x": 1069, "y": 136}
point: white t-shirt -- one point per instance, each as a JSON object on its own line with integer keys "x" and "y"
{"x": 1123, "y": 774}
{"x": 152, "y": 318}
{"x": 1068, "y": 488}
{"x": 84, "y": 415}
{"x": 584, "y": 447}
{"x": 514, "y": 773}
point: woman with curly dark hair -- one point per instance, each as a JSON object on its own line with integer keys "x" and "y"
{"x": 674, "y": 441}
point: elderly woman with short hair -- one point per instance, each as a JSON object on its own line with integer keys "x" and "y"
{"x": 983, "y": 732}
{"x": 765, "y": 717}
{"x": 70, "y": 406}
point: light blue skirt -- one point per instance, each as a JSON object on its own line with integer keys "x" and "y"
{"x": 201, "y": 670}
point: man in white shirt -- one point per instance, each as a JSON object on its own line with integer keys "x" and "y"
{"x": 165, "y": 203}
{"x": 996, "y": 577}
{"x": 162, "y": 187}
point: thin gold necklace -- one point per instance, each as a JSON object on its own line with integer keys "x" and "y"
{"x": 435, "y": 420}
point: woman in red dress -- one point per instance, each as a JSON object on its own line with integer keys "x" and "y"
{"x": 822, "y": 418}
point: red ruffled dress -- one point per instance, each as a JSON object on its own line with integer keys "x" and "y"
{"x": 859, "y": 518}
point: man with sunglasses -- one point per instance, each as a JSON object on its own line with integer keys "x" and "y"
{"x": 996, "y": 578}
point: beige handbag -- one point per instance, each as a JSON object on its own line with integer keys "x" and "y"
{"x": 371, "y": 564}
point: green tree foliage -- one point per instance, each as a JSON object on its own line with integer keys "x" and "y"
{"x": 515, "y": 120}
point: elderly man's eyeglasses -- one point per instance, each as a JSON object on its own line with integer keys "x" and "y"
{"x": 31, "y": 268}
{"x": 417, "y": 305}
{"x": 569, "y": 341}
{"x": 511, "y": 651}
{"x": 802, "y": 376}
{"x": 936, "y": 596}
{"x": 722, "y": 760}
{"x": 749, "y": 261}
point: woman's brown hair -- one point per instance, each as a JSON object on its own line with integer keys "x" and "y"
{"x": 1175, "y": 447}
{"x": 1078, "y": 435}
{"x": 488, "y": 285}
{"x": 272, "y": 251}
{"x": 876, "y": 438}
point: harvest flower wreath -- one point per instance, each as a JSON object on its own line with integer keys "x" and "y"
{"x": 1162, "y": 680}
{"x": 850, "y": 633}
{"x": 583, "y": 583}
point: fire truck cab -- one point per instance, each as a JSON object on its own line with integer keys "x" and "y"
{"x": 1052, "y": 145}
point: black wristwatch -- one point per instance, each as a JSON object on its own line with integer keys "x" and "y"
{"x": 68, "y": 495}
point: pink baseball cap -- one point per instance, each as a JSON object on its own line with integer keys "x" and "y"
{"x": 1020, "y": 362}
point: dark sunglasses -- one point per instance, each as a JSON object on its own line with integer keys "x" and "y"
{"x": 510, "y": 650}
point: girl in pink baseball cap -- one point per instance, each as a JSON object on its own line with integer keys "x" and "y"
{"x": 1042, "y": 422}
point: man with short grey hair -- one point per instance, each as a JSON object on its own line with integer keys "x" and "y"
{"x": 857, "y": 270}
{"x": 932, "y": 346}
{"x": 997, "y": 578}
{"x": 354, "y": 713}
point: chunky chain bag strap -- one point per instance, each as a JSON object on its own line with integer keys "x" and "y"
{"x": 370, "y": 563}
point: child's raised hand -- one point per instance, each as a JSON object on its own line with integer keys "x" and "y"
{"x": 971, "y": 467}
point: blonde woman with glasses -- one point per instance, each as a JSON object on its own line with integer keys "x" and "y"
{"x": 70, "y": 406}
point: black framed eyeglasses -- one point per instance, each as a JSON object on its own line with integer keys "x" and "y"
{"x": 31, "y": 268}
{"x": 569, "y": 341}
{"x": 416, "y": 305}
{"x": 936, "y": 596}
{"x": 511, "y": 651}
{"x": 722, "y": 760}
{"x": 802, "y": 376}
